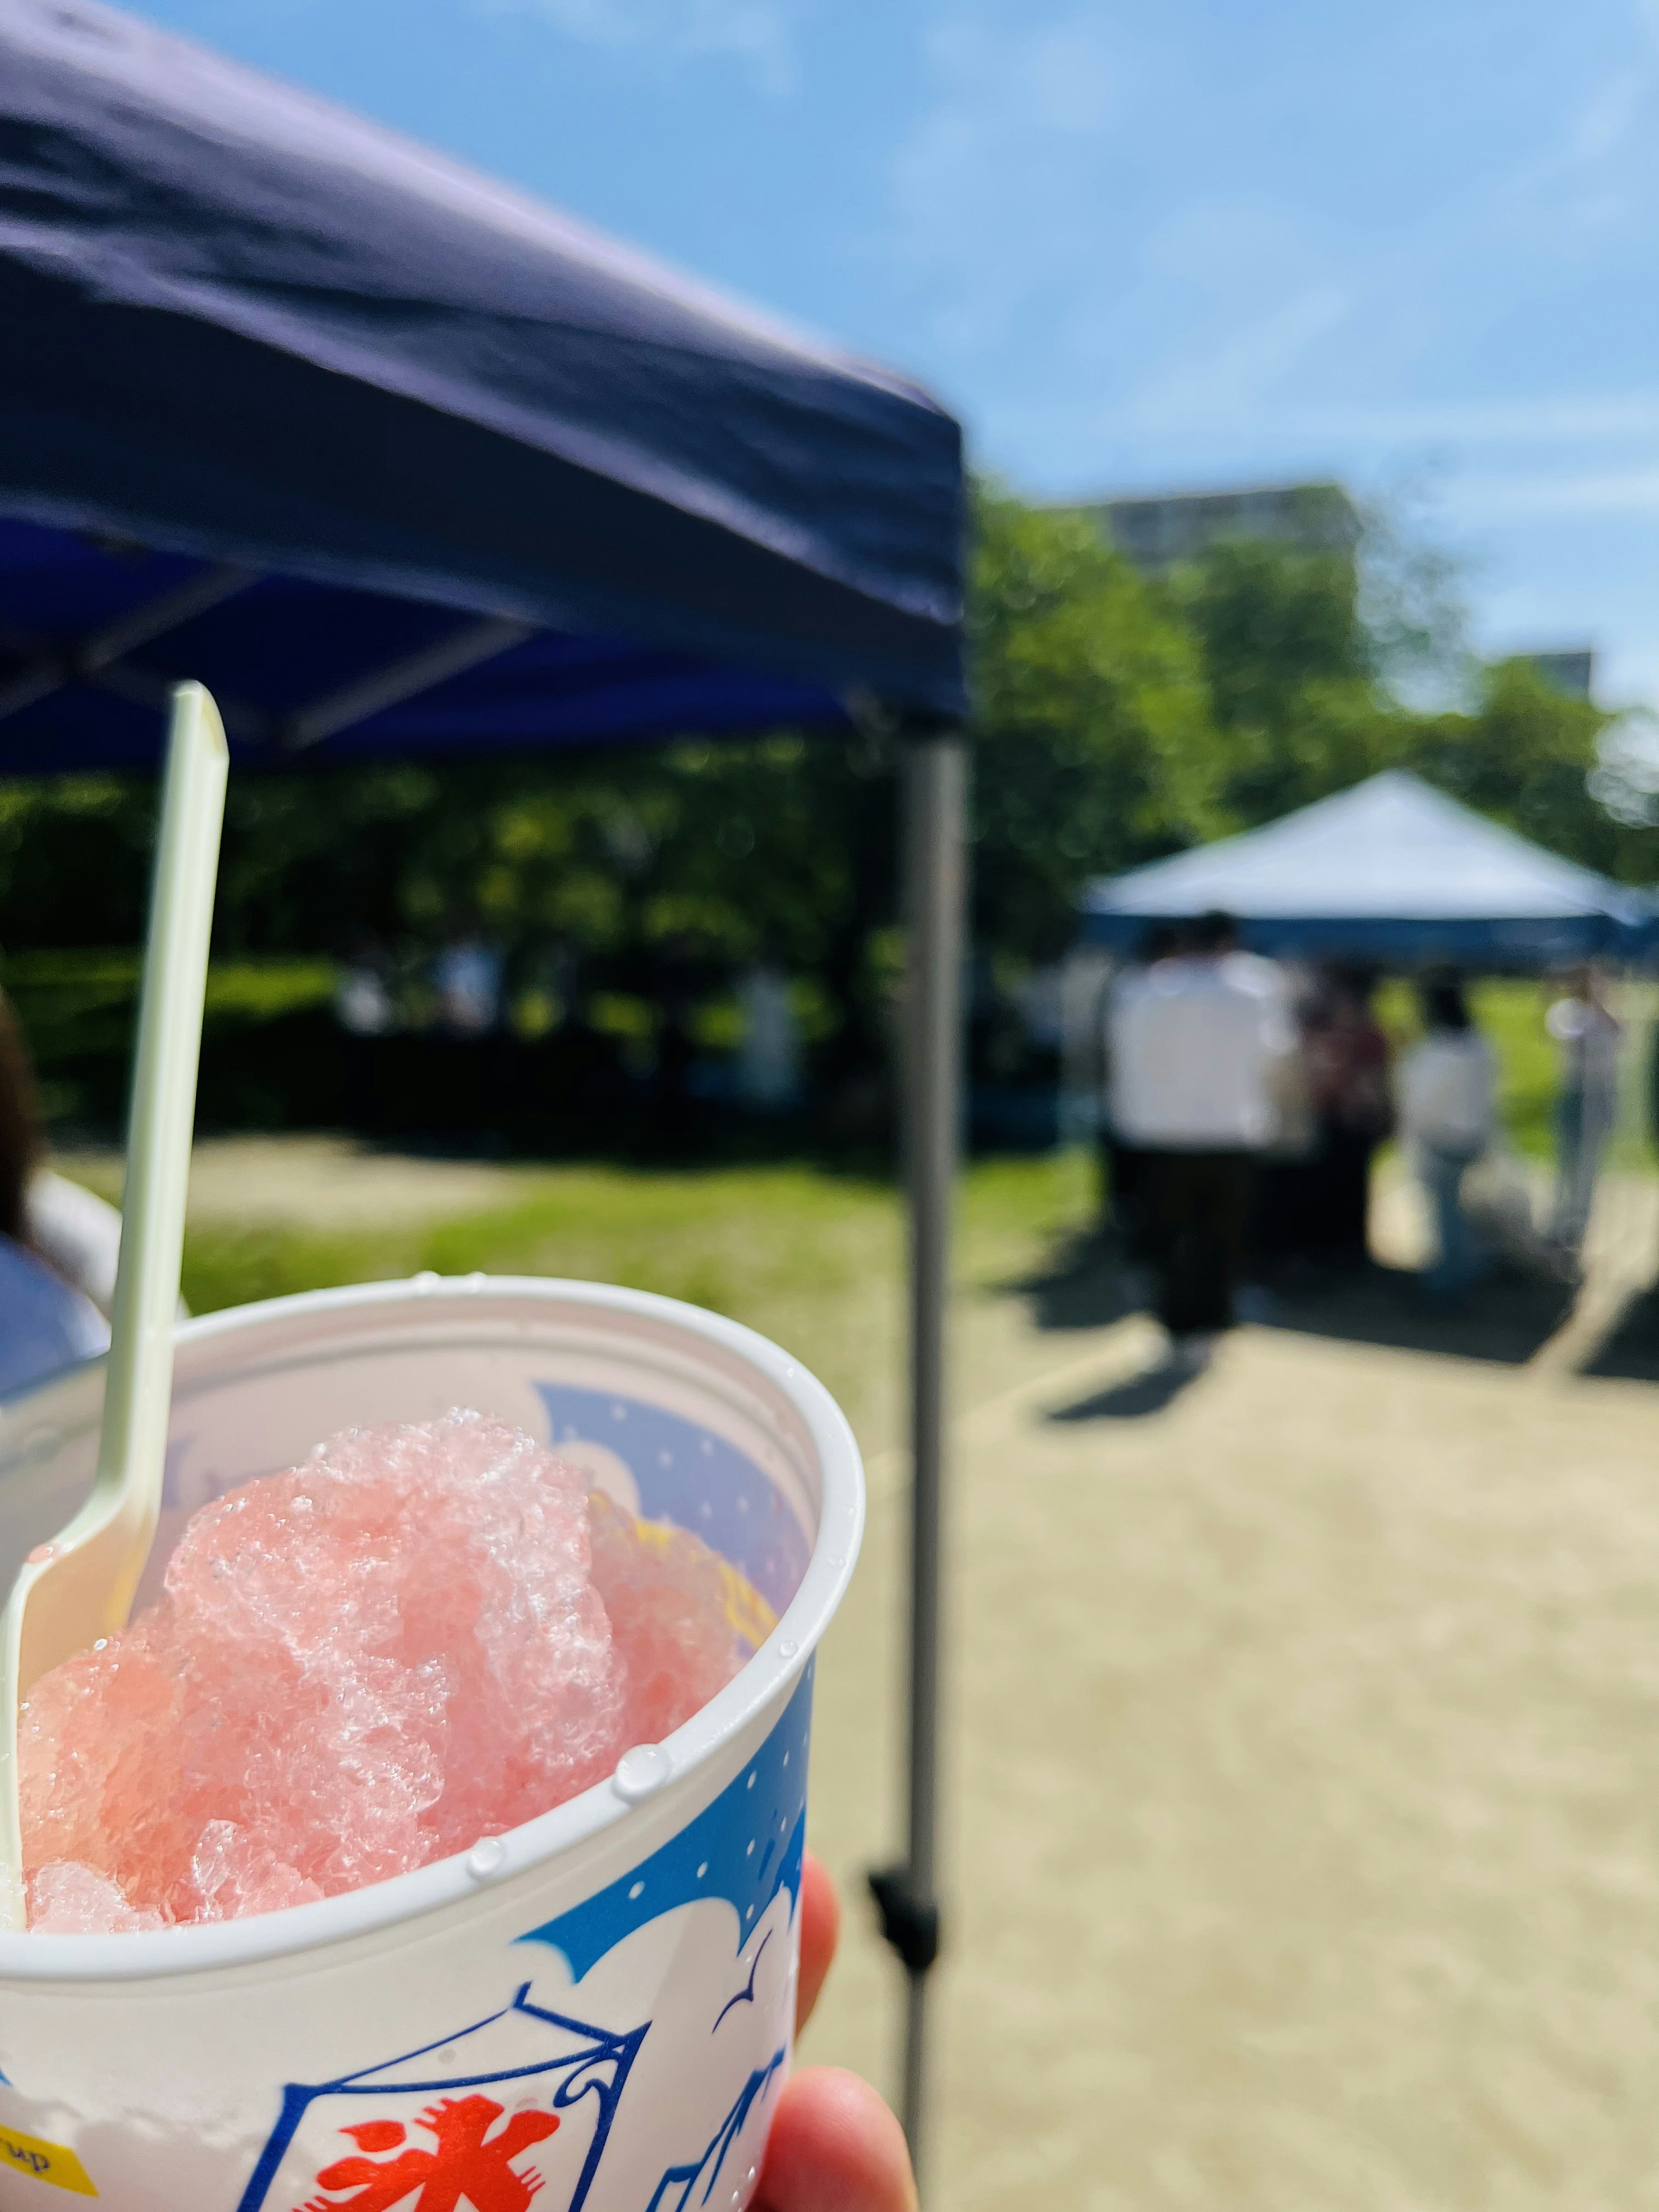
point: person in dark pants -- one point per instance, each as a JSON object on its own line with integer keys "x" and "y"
{"x": 1198, "y": 1212}
{"x": 1197, "y": 1044}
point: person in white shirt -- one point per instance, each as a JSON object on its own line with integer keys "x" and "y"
{"x": 467, "y": 976}
{"x": 1446, "y": 1088}
{"x": 1121, "y": 1193}
{"x": 1590, "y": 1037}
{"x": 1197, "y": 1043}
{"x": 76, "y": 1233}
{"x": 769, "y": 1059}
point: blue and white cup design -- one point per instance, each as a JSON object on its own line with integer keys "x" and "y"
{"x": 592, "y": 2014}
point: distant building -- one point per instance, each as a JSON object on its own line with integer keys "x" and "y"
{"x": 1157, "y": 533}
{"x": 1572, "y": 670}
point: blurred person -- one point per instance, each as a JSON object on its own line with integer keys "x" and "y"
{"x": 768, "y": 1057}
{"x": 1197, "y": 1047}
{"x": 1448, "y": 1094}
{"x": 47, "y": 1321}
{"x": 1040, "y": 1000}
{"x": 465, "y": 1094}
{"x": 678, "y": 981}
{"x": 467, "y": 978}
{"x": 1084, "y": 976}
{"x": 1121, "y": 1184}
{"x": 363, "y": 993}
{"x": 1590, "y": 1038}
{"x": 78, "y": 1234}
{"x": 366, "y": 1014}
{"x": 1346, "y": 1056}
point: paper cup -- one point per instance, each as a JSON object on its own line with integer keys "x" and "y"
{"x": 594, "y": 2011}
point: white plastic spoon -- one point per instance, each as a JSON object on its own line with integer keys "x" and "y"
{"x": 80, "y": 1586}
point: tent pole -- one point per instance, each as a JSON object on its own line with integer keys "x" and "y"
{"x": 935, "y": 809}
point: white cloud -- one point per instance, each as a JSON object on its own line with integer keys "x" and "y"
{"x": 1604, "y": 491}
{"x": 759, "y": 36}
{"x": 1587, "y": 418}
{"x": 997, "y": 191}
{"x": 1225, "y": 381}
{"x": 1103, "y": 177}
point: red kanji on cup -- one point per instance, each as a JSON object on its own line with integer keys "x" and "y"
{"x": 469, "y": 2167}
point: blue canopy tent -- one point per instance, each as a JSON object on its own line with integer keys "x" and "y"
{"x": 337, "y": 426}
{"x": 1391, "y": 872}
{"x": 395, "y": 460}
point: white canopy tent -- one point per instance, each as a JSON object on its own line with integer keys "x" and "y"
{"x": 1391, "y": 872}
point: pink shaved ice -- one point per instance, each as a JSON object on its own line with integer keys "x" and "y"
{"x": 422, "y": 1636}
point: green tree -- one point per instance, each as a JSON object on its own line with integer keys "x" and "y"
{"x": 1297, "y": 707}
{"x": 1115, "y": 719}
{"x": 75, "y": 860}
{"x": 1094, "y": 747}
{"x": 1296, "y": 663}
{"x": 1526, "y": 755}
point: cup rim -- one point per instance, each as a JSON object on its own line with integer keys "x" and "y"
{"x": 759, "y": 1683}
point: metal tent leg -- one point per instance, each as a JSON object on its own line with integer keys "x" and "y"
{"x": 935, "y": 789}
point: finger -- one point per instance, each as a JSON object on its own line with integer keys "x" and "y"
{"x": 834, "y": 2148}
{"x": 820, "y": 1928}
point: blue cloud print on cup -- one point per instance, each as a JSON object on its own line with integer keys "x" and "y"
{"x": 693, "y": 1477}
{"x": 745, "y": 1847}
{"x": 417, "y": 2127}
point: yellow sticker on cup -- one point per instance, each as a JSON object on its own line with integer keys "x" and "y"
{"x": 45, "y": 2161}
{"x": 746, "y": 1610}
{"x": 750, "y": 1616}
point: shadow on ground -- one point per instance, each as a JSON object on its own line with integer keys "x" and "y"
{"x": 1132, "y": 1400}
{"x": 1630, "y": 1351}
{"x": 1507, "y": 1320}
{"x": 1085, "y": 1285}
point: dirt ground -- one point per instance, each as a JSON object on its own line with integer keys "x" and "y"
{"x": 1304, "y": 1850}
{"x": 1301, "y": 1832}
{"x": 317, "y": 1182}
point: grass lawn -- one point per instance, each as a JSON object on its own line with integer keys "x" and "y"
{"x": 812, "y": 1258}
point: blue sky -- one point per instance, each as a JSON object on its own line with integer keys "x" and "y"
{"x": 1135, "y": 243}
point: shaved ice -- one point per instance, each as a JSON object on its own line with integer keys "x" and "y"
{"x": 422, "y": 1636}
